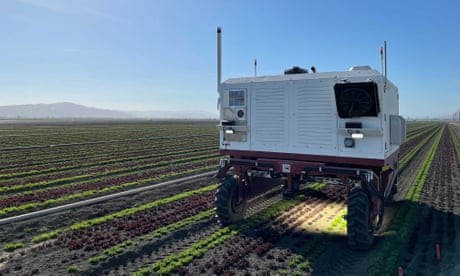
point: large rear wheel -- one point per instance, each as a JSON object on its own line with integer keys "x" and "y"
{"x": 359, "y": 227}
{"x": 229, "y": 208}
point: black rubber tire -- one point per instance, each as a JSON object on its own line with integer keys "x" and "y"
{"x": 228, "y": 209}
{"x": 360, "y": 234}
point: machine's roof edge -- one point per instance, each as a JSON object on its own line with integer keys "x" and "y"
{"x": 321, "y": 75}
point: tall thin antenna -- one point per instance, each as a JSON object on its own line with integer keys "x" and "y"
{"x": 255, "y": 67}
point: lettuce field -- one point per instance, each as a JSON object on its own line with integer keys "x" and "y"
{"x": 172, "y": 229}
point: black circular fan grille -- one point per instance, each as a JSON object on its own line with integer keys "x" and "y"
{"x": 355, "y": 102}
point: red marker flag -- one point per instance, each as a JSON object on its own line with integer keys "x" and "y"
{"x": 381, "y": 51}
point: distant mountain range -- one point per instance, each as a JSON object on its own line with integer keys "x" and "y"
{"x": 76, "y": 111}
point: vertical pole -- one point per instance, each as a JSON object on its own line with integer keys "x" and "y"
{"x": 385, "y": 53}
{"x": 219, "y": 58}
{"x": 385, "y": 65}
{"x": 255, "y": 67}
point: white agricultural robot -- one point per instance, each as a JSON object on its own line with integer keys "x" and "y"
{"x": 285, "y": 129}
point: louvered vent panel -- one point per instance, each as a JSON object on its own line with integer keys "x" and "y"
{"x": 270, "y": 119}
{"x": 315, "y": 117}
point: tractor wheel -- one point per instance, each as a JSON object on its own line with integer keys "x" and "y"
{"x": 228, "y": 208}
{"x": 360, "y": 232}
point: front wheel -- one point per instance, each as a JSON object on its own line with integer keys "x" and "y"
{"x": 360, "y": 231}
{"x": 228, "y": 208}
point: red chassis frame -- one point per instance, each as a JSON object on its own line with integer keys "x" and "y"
{"x": 378, "y": 175}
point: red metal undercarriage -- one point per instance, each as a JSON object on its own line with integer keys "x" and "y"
{"x": 377, "y": 174}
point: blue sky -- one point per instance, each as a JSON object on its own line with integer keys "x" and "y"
{"x": 159, "y": 54}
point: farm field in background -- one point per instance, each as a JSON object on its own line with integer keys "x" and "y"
{"x": 173, "y": 230}
{"x": 43, "y": 166}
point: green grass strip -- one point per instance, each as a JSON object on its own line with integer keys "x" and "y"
{"x": 120, "y": 214}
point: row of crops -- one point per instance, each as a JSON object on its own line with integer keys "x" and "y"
{"x": 98, "y": 160}
{"x": 28, "y": 136}
{"x": 37, "y": 178}
{"x": 178, "y": 234}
